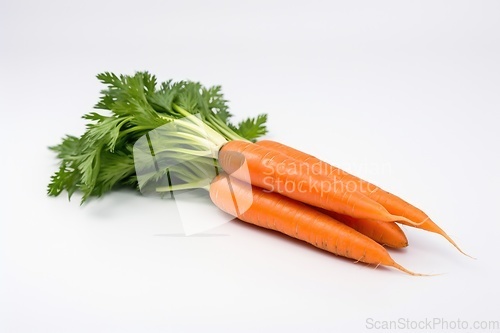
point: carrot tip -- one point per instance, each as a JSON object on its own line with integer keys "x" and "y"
{"x": 441, "y": 232}
{"x": 457, "y": 247}
{"x": 401, "y": 268}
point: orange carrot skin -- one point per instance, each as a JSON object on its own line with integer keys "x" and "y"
{"x": 388, "y": 234}
{"x": 394, "y": 204}
{"x": 391, "y": 202}
{"x": 276, "y": 172}
{"x": 295, "y": 219}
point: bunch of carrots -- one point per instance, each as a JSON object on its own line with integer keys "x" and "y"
{"x": 263, "y": 182}
{"x": 351, "y": 222}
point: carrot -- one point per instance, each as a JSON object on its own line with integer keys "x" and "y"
{"x": 276, "y": 212}
{"x": 276, "y": 172}
{"x": 388, "y": 234}
{"x": 394, "y": 204}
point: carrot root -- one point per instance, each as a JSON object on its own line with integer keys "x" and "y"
{"x": 403, "y": 269}
{"x": 274, "y": 211}
{"x": 386, "y": 234}
{"x": 392, "y": 203}
{"x": 441, "y": 232}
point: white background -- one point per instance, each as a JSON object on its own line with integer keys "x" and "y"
{"x": 402, "y": 93}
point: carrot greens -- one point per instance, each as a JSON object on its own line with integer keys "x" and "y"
{"x": 132, "y": 106}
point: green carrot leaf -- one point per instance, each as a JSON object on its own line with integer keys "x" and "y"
{"x": 253, "y": 128}
{"x": 102, "y": 157}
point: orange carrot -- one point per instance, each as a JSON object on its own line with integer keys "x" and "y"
{"x": 391, "y": 202}
{"x": 276, "y": 172}
{"x": 388, "y": 234}
{"x": 276, "y": 212}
